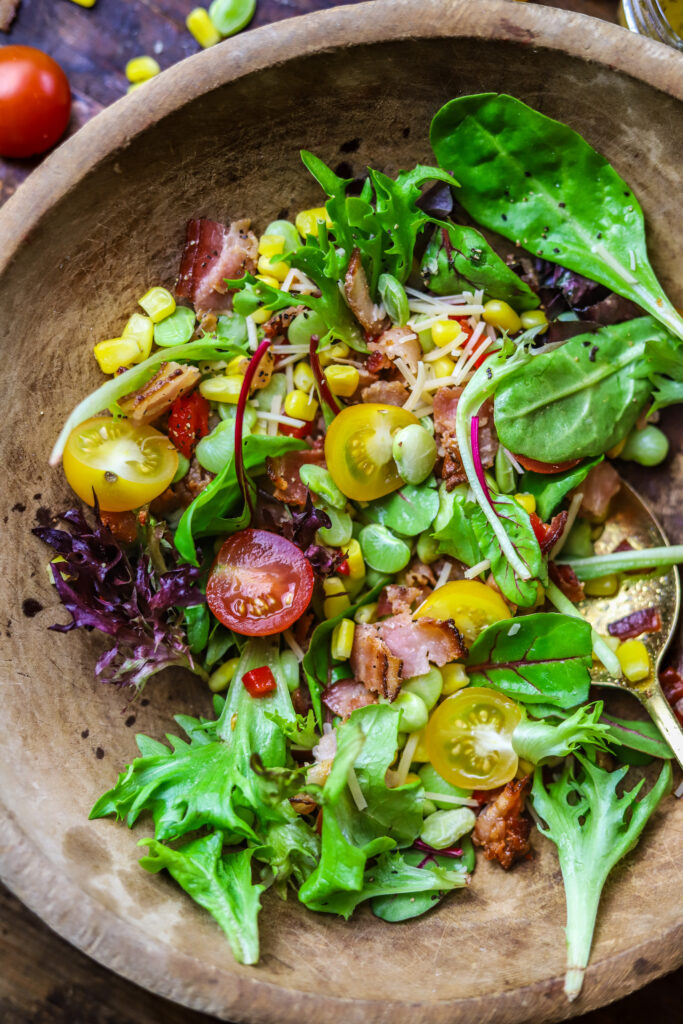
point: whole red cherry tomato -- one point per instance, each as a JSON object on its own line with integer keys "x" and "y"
{"x": 35, "y": 101}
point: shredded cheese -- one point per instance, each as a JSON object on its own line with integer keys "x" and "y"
{"x": 418, "y": 388}
{"x": 443, "y": 575}
{"x": 447, "y": 350}
{"x": 401, "y": 773}
{"x": 405, "y": 371}
{"x": 252, "y": 334}
{"x": 289, "y": 376}
{"x": 513, "y": 461}
{"x": 274, "y": 416}
{"x": 355, "y": 790}
{"x": 478, "y": 569}
{"x": 442, "y": 312}
{"x": 574, "y": 507}
{"x": 293, "y": 645}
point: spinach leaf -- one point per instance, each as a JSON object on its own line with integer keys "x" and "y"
{"x": 452, "y": 527}
{"x": 517, "y": 525}
{"x": 408, "y": 511}
{"x": 219, "y": 883}
{"x": 550, "y": 490}
{"x": 590, "y": 825}
{"x": 459, "y": 258}
{"x": 541, "y": 658}
{"x": 206, "y": 515}
{"x": 541, "y": 185}
{"x": 578, "y": 400}
{"x": 403, "y": 902}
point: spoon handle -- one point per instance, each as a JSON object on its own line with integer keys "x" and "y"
{"x": 663, "y": 716}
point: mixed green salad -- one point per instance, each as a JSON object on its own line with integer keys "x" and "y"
{"x": 351, "y": 474}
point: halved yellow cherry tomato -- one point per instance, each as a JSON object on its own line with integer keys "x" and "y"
{"x": 469, "y": 738}
{"x": 125, "y": 464}
{"x": 472, "y": 605}
{"x": 358, "y": 449}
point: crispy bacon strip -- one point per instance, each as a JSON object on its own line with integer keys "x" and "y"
{"x": 598, "y": 489}
{"x": 564, "y": 577}
{"x": 359, "y": 300}
{"x": 395, "y": 599}
{"x": 502, "y": 830}
{"x": 645, "y": 620}
{"x": 346, "y": 696}
{"x": 284, "y": 472}
{"x": 398, "y": 343}
{"x": 419, "y": 642}
{"x": 153, "y": 399}
{"x": 445, "y": 409}
{"x": 373, "y": 664}
{"x": 212, "y": 254}
{"x": 386, "y": 392}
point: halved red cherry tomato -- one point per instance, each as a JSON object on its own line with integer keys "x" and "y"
{"x": 534, "y": 466}
{"x": 188, "y": 422}
{"x": 260, "y": 583}
{"x": 35, "y": 101}
{"x": 259, "y": 682}
{"x": 299, "y": 432}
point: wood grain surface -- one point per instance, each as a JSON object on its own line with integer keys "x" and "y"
{"x": 42, "y": 978}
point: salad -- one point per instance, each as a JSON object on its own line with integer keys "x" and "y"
{"x": 351, "y": 474}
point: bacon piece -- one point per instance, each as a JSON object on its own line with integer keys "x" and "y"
{"x": 373, "y": 664}
{"x": 645, "y": 620}
{"x": 153, "y": 399}
{"x": 548, "y": 534}
{"x": 301, "y": 700}
{"x": 359, "y": 300}
{"x": 278, "y": 325}
{"x": 564, "y": 577}
{"x": 284, "y": 472}
{"x": 672, "y": 687}
{"x": 213, "y": 253}
{"x": 395, "y": 599}
{"x": 123, "y": 525}
{"x": 417, "y": 642}
{"x": 445, "y": 409}
{"x": 346, "y": 696}
{"x": 193, "y": 483}
{"x": 501, "y": 829}
{"x": 418, "y": 575}
{"x": 376, "y": 362}
{"x": 398, "y": 343}
{"x": 386, "y": 392}
{"x": 598, "y": 489}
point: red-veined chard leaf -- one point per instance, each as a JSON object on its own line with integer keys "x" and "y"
{"x": 517, "y": 525}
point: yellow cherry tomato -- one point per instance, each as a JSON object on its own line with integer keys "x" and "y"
{"x": 125, "y": 464}
{"x": 472, "y": 605}
{"x": 469, "y": 738}
{"x": 358, "y": 449}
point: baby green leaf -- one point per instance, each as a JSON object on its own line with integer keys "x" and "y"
{"x": 538, "y": 741}
{"x": 541, "y": 658}
{"x": 517, "y": 525}
{"x": 404, "y": 902}
{"x": 592, "y": 830}
{"x": 541, "y": 185}
{"x": 452, "y": 527}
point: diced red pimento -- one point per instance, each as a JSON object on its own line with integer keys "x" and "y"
{"x": 299, "y": 432}
{"x": 259, "y": 682}
{"x": 188, "y": 422}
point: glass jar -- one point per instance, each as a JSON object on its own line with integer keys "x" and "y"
{"x": 658, "y": 19}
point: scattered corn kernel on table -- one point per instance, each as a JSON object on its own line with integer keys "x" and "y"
{"x": 43, "y": 979}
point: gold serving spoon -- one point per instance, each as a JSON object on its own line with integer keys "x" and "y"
{"x": 634, "y": 522}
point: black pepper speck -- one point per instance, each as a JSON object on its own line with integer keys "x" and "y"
{"x": 31, "y": 607}
{"x": 99, "y": 753}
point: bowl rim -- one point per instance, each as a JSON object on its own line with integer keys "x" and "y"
{"x": 57, "y": 899}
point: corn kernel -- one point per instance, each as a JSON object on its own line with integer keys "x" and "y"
{"x": 634, "y": 660}
{"x": 270, "y": 280}
{"x": 115, "y": 352}
{"x": 238, "y": 365}
{"x": 275, "y": 270}
{"x": 366, "y": 614}
{"x": 342, "y": 380}
{"x": 140, "y": 69}
{"x": 445, "y": 331}
{"x": 260, "y": 316}
{"x": 540, "y": 595}
{"x": 222, "y": 389}
{"x": 342, "y": 639}
{"x": 141, "y": 329}
{"x": 158, "y": 303}
{"x": 84, "y": 3}
{"x": 202, "y": 28}
{"x": 616, "y": 451}
{"x": 501, "y": 315}
{"x": 299, "y": 406}
{"x": 443, "y": 367}
{"x": 338, "y": 604}
{"x": 333, "y": 585}
{"x": 604, "y": 586}
{"x": 271, "y": 245}
{"x": 303, "y": 376}
{"x": 307, "y": 221}
{"x": 412, "y": 777}
{"x": 527, "y": 501}
{"x": 340, "y": 350}
{"x": 454, "y": 678}
{"x": 354, "y": 557}
{"x": 533, "y": 318}
{"x": 221, "y": 678}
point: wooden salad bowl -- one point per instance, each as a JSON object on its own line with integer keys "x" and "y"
{"x": 96, "y": 225}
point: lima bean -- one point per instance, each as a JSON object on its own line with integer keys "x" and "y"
{"x": 414, "y": 452}
{"x": 382, "y": 550}
{"x": 443, "y": 828}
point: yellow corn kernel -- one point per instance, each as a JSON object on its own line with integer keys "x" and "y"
{"x": 454, "y": 678}
{"x": 141, "y": 329}
{"x": 533, "y": 318}
{"x": 272, "y": 271}
{"x": 268, "y": 279}
{"x": 421, "y": 754}
{"x": 338, "y": 604}
{"x": 342, "y": 380}
{"x": 366, "y": 614}
{"x": 333, "y": 585}
{"x": 307, "y": 221}
{"x": 140, "y": 69}
{"x": 340, "y": 350}
{"x": 354, "y": 558}
{"x": 412, "y": 777}
{"x": 222, "y": 389}
{"x": 202, "y": 28}
{"x": 604, "y": 586}
{"x": 501, "y": 315}
{"x": 221, "y": 678}
{"x": 634, "y": 660}
{"x": 540, "y": 595}
{"x": 443, "y": 367}
{"x": 303, "y": 376}
{"x": 616, "y": 451}
{"x": 342, "y": 639}
{"x": 299, "y": 406}
{"x": 115, "y": 352}
{"x": 260, "y": 316}
{"x": 527, "y": 501}
{"x": 445, "y": 331}
{"x": 84, "y": 3}
{"x": 271, "y": 245}
{"x": 238, "y": 365}
{"x": 158, "y": 303}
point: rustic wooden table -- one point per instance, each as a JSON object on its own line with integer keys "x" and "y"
{"x": 43, "y": 979}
